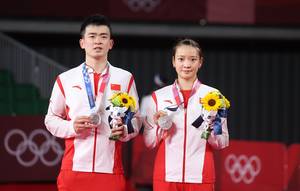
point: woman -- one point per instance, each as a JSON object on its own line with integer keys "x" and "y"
{"x": 175, "y": 124}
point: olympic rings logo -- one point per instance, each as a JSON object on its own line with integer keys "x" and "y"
{"x": 28, "y": 143}
{"x": 142, "y": 5}
{"x": 242, "y": 168}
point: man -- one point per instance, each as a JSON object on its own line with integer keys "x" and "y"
{"x": 77, "y": 114}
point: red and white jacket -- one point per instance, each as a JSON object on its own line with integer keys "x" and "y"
{"x": 92, "y": 151}
{"x": 182, "y": 156}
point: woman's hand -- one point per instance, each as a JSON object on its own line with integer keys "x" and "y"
{"x": 163, "y": 120}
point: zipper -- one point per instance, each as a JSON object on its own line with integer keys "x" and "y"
{"x": 184, "y": 145}
{"x": 94, "y": 151}
{"x": 96, "y": 81}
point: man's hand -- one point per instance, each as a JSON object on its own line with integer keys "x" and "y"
{"x": 117, "y": 128}
{"x": 83, "y": 123}
{"x": 118, "y": 131}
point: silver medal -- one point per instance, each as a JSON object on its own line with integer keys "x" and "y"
{"x": 95, "y": 118}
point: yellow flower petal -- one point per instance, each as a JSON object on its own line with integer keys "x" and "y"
{"x": 122, "y": 99}
{"x": 212, "y": 101}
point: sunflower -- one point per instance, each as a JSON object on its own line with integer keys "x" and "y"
{"x": 132, "y": 103}
{"x": 122, "y": 99}
{"x": 212, "y": 101}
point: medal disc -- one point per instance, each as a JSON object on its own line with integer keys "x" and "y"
{"x": 95, "y": 118}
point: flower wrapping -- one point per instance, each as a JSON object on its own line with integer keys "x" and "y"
{"x": 123, "y": 106}
{"x": 214, "y": 107}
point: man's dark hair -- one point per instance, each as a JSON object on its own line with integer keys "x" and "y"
{"x": 95, "y": 20}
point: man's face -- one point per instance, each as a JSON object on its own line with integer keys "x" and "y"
{"x": 96, "y": 41}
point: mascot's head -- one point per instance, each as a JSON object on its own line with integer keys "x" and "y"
{"x": 116, "y": 111}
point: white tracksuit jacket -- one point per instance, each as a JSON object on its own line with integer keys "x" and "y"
{"x": 92, "y": 151}
{"x": 182, "y": 156}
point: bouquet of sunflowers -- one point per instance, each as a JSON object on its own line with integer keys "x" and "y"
{"x": 214, "y": 107}
{"x": 123, "y": 106}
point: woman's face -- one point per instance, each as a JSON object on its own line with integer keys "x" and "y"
{"x": 187, "y": 62}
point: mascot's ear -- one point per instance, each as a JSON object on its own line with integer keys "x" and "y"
{"x": 107, "y": 108}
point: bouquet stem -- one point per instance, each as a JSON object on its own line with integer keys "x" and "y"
{"x": 206, "y": 133}
{"x": 114, "y": 138}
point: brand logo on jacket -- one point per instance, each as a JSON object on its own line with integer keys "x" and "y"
{"x": 77, "y": 86}
{"x": 242, "y": 168}
{"x": 142, "y": 5}
{"x": 18, "y": 144}
{"x": 168, "y": 101}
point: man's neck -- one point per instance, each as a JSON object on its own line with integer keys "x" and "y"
{"x": 98, "y": 65}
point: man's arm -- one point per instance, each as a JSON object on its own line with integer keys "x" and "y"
{"x": 56, "y": 119}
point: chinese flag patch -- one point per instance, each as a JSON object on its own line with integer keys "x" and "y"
{"x": 115, "y": 87}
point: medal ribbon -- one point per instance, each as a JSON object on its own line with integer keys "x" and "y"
{"x": 88, "y": 86}
{"x": 177, "y": 97}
